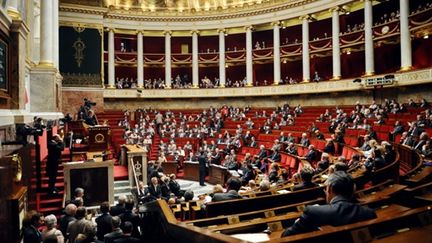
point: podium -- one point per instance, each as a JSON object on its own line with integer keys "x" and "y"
{"x": 96, "y": 178}
{"x": 99, "y": 138}
{"x": 135, "y": 157}
{"x": 191, "y": 170}
{"x": 218, "y": 174}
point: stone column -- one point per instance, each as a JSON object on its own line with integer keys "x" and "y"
{"x": 12, "y": 9}
{"x": 305, "y": 48}
{"x": 140, "y": 60}
{"x": 55, "y": 20}
{"x": 111, "y": 61}
{"x": 369, "y": 43}
{"x": 195, "y": 62}
{"x": 249, "y": 60}
{"x": 222, "y": 72}
{"x": 168, "y": 59}
{"x": 405, "y": 36}
{"x": 276, "y": 53}
{"x": 46, "y": 40}
{"x": 336, "y": 45}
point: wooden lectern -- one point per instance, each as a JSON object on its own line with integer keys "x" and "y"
{"x": 136, "y": 157}
{"x": 99, "y": 138}
{"x": 96, "y": 178}
{"x": 218, "y": 174}
{"x": 191, "y": 170}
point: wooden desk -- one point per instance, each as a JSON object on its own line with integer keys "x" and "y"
{"x": 425, "y": 172}
{"x": 136, "y": 156}
{"x": 218, "y": 174}
{"x": 236, "y": 228}
{"x": 96, "y": 178}
{"x": 381, "y": 194}
{"x": 191, "y": 171}
{"x": 421, "y": 235}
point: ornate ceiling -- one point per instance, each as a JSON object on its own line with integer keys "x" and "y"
{"x": 188, "y": 6}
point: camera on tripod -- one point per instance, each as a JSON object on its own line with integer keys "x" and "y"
{"x": 88, "y": 103}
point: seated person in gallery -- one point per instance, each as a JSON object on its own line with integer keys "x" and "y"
{"x": 316, "y": 78}
{"x": 340, "y": 209}
{"x": 306, "y": 175}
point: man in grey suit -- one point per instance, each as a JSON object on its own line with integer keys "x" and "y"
{"x": 340, "y": 209}
{"x": 78, "y": 226}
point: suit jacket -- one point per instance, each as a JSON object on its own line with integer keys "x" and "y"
{"x": 64, "y": 222}
{"x": 262, "y": 154}
{"x": 76, "y": 227}
{"x": 311, "y": 155}
{"x": 31, "y": 235}
{"x": 155, "y": 191}
{"x": 340, "y": 211}
{"x": 276, "y": 157}
{"x": 117, "y": 210}
{"x": 104, "y": 225}
{"x": 111, "y": 237}
{"x": 134, "y": 219}
{"x": 127, "y": 239}
{"x": 226, "y": 196}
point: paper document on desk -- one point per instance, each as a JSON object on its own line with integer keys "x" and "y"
{"x": 234, "y": 173}
{"x": 255, "y": 237}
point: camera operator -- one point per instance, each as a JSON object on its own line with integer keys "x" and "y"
{"x": 55, "y": 148}
{"x": 84, "y": 109}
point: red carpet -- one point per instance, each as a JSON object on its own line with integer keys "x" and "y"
{"x": 120, "y": 172}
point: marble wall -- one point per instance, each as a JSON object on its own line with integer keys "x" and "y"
{"x": 73, "y": 99}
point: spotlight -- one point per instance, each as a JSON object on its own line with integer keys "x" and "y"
{"x": 357, "y": 80}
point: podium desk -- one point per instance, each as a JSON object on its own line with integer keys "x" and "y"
{"x": 135, "y": 156}
{"x": 218, "y": 174}
{"x": 191, "y": 171}
{"x": 96, "y": 178}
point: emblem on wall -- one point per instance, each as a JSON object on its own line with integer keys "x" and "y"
{"x": 79, "y": 47}
{"x": 99, "y": 138}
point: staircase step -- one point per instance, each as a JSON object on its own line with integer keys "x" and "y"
{"x": 121, "y": 183}
{"x": 52, "y": 200}
{"x": 51, "y": 210}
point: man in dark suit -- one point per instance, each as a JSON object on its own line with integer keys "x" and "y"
{"x": 116, "y": 233}
{"x": 30, "y": 232}
{"x": 127, "y": 234}
{"x": 104, "y": 225}
{"x": 202, "y": 168}
{"x": 132, "y": 217}
{"x": 119, "y": 208}
{"x": 311, "y": 155}
{"x": 306, "y": 175}
{"x": 340, "y": 210}
{"x": 141, "y": 194}
{"x": 234, "y": 185}
{"x": 55, "y": 148}
{"x": 69, "y": 216}
{"x": 154, "y": 188}
{"x": 216, "y": 157}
